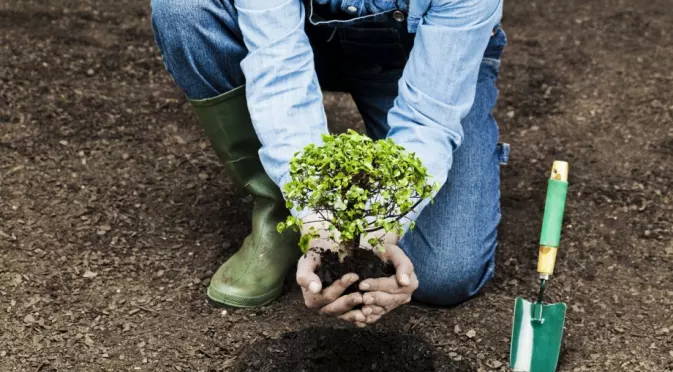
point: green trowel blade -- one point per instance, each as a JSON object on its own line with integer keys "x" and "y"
{"x": 536, "y": 336}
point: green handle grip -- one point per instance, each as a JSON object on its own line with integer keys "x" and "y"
{"x": 553, "y": 213}
{"x": 557, "y": 189}
{"x": 550, "y": 237}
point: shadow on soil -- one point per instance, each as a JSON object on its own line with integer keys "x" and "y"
{"x": 335, "y": 350}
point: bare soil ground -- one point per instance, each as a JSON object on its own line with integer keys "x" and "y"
{"x": 114, "y": 212}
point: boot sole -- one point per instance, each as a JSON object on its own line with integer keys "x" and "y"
{"x": 220, "y": 299}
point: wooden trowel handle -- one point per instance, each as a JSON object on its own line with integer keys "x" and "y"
{"x": 557, "y": 189}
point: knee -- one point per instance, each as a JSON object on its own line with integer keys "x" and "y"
{"x": 200, "y": 44}
{"x": 452, "y": 278}
{"x": 186, "y": 22}
{"x": 166, "y": 14}
{"x": 174, "y": 17}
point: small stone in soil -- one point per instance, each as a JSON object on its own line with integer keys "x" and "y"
{"x": 89, "y": 274}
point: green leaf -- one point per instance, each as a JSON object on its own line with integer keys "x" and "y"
{"x": 304, "y": 243}
{"x": 355, "y": 178}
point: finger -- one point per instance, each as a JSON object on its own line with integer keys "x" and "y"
{"x": 373, "y": 319}
{"x": 385, "y": 300}
{"x": 343, "y": 304}
{"x": 330, "y": 294}
{"x": 389, "y": 284}
{"x": 373, "y": 309}
{"x": 354, "y": 316}
{"x": 360, "y": 324}
{"x": 403, "y": 266}
{"x": 337, "y": 288}
{"x": 306, "y": 276}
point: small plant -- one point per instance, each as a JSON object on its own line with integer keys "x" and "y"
{"x": 358, "y": 186}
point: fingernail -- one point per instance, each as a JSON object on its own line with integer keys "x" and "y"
{"x": 314, "y": 287}
{"x": 349, "y": 279}
{"x": 369, "y": 300}
{"x": 360, "y": 318}
{"x": 367, "y": 310}
{"x": 404, "y": 279}
{"x": 370, "y": 319}
{"x": 364, "y": 286}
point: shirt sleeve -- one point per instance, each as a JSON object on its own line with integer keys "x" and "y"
{"x": 282, "y": 89}
{"x": 438, "y": 84}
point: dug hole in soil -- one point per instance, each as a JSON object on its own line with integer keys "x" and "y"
{"x": 346, "y": 350}
{"x": 352, "y": 350}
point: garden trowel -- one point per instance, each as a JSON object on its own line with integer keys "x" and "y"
{"x": 537, "y": 327}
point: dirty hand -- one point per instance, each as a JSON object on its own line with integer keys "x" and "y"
{"x": 329, "y": 300}
{"x": 383, "y": 295}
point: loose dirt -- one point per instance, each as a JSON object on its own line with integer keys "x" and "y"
{"x": 114, "y": 211}
{"x": 364, "y": 263}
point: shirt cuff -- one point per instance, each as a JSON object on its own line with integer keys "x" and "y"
{"x": 260, "y": 4}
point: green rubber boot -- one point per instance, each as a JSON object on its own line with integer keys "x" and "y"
{"x": 254, "y": 275}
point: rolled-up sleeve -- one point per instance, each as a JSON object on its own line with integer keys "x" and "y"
{"x": 283, "y": 93}
{"x": 438, "y": 84}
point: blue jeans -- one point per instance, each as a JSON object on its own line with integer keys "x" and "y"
{"x": 454, "y": 242}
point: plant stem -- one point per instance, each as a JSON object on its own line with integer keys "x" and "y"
{"x": 356, "y": 243}
{"x": 349, "y": 248}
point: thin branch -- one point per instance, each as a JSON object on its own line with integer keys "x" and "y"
{"x": 303, "y": 222}
{"x": 323, "y": 217}
{"x": 402, "y": 215}
{"x": 367, "y": 231}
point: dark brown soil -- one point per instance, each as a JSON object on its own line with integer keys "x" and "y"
{"x": 362, "y": 262}
{"x": 347, "y": 350}
{"x": 114, "y": 211}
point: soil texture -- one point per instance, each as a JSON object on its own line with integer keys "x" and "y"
{"x": 365, "y": 263}
{"x": 347, "y": 350}
{"x": 115, "y": 212}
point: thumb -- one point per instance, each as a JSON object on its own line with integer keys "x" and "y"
{"x": 403, "y": 266}
{"x": 306, "y": 276}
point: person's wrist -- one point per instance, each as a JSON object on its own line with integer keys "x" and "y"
{"x": 320, "y": 224}
{"x": 315, "y": 221}
{"x": 382, "y": 236}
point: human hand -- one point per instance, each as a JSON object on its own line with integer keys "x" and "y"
{"x": 329, "y": 300}
{"x": 382, "y": 295}
{"x": 385, "y": 293}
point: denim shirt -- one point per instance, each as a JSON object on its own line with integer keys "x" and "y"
{"x": 436, "y": 90}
